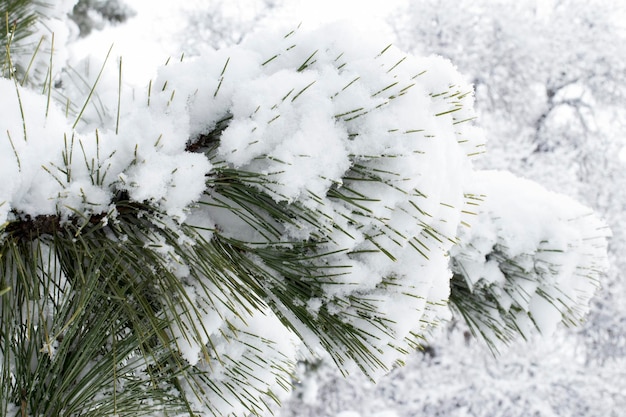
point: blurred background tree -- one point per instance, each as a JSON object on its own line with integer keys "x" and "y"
{"x": 95, "y": 14}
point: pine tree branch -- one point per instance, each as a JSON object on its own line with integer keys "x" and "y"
{"x": 29, "y": 228}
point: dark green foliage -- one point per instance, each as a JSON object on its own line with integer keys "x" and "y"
{"x": 81, "y": 331}
{"x": 18, "y": 18}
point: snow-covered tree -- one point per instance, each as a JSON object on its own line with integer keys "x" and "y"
{"x": 175, "y": 248}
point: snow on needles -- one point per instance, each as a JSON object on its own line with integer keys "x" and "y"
{"x": 369, "y": 141}
{"x": 50, "y": 169}
{"x": 535, "y": 264}
{"x": 368, "y": 146}
{"x": 360, "y": 156}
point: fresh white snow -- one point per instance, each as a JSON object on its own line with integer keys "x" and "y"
{"x": 303, "y": 110}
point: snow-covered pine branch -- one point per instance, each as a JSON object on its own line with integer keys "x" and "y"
{"x": 35, "y": 32}
{"x": 305, "y": 188}
{"x": 531, "y": 259}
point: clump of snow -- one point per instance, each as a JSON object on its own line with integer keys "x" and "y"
{"x": 259, "y": 354}
{"x": 535, "y": 256}
{"x": 250, "y": 346}
{"x": 51, "y": 169}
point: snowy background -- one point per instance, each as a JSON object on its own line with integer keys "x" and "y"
{"x": 549, "y": 79}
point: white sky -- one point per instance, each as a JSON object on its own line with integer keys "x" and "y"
{"x": 147, "y": 40}
{"x": 362, "y": 12}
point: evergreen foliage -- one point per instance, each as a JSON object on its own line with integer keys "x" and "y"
{"x": 18, "y": 18}
{"x": 125, "y": 295}
{"x": 503, "y": 286}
